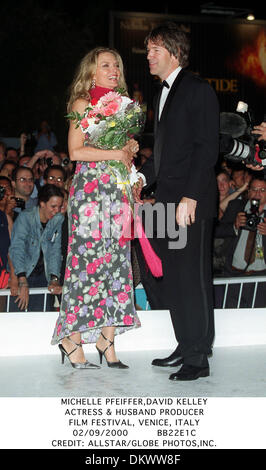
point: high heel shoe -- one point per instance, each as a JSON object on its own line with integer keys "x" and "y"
{"x": 76, "y": 365}
{"x": 114, "y": 365}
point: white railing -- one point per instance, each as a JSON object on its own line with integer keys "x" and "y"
{"x": 33, "y": 291}
{"x": 226, "y": 282}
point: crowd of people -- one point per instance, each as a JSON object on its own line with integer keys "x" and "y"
{"x": 23, "y": 174}
{"x": 35, "y": 185}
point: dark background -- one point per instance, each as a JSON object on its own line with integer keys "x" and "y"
{"x": 42, "y": 43}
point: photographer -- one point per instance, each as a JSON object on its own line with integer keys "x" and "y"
{"x": 247, "y": 252}
{"x": 23, "y": 185}
{"x": 40, "y": 162}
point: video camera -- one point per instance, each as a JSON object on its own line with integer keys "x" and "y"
{"x": 247, "y": 149}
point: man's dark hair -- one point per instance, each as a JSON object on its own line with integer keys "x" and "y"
{"x": 175, "y": 41}
{"x": 47, "y": 191}
{"x": 5, "y": 178}
{"x": 18, "y": 168}
{"x": 54, "y": 167}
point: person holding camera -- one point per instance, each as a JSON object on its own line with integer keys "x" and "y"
{"x": 245, "y": 223}
{"x": 40, "y": 161}
{"x": 23, "y": 185}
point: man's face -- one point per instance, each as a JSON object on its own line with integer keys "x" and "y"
{"x": 24, "y": 183}
{"x": 239, "y": 178}
{"x": 258, "y": 191}
{"x": 50, "y": 208}
{"x": 55, "y": 177}
{"x": 223, "y": 183}
{"x": 12, "y": 155}
{"x": 161, "y": 63}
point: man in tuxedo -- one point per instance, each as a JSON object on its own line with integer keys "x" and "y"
{"x": 186, "y": 144}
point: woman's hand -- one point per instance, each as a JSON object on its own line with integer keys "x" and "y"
{"x": 128, "y": 152}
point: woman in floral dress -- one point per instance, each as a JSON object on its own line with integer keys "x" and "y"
{"x": 98, "y": 294}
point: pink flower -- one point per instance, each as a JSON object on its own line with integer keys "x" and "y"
{"x": 91, "y": 186}
{"x": 96, "y": 234}
{"x": 127, "y": 287}
{"x": 108, "y": 257}
{"x": 76, "y": 309}
{"x": 97, "y": 262}
{"x": 122, "y": 297}
{"x": 59, "y": 328}
{"x": 88, "y": 244}
{"x": 84, "y": 123}
{"x": 122, "y": 241}
{"x": 92, "y": 165}
{"x": 71, "y": 317}
{"x": 98, "y": 312}
{"x": 91, "y": 268}
{"x": 91, "y": 324}
{"x": 105, "y": 178}
{"x": 67, "y": 273}
{"x": 75, "y": 261}
{"x": 127, "y": 320}
{"x": 93, "y": 291}
{"x": 103, "y": 302}
{"x": 89, "y": 211}
{"x": 111, "y": 109}
{"x": 79, "y": 297}
{"x": 71, "y": 191}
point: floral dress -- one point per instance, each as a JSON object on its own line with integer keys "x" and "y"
{"x": 98, "y": 285}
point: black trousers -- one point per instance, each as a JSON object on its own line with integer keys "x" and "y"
{"x": 187, "y": 291}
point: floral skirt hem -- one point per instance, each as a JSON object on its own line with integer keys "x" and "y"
{"x": 91, "y": 335}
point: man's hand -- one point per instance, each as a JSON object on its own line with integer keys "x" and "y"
{"x": 241, "y": 220}
{"x": 261, "y": 130}
{"x": 185, "y": 212}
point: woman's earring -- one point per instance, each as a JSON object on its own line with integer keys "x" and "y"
{"x": 93, "y": 83}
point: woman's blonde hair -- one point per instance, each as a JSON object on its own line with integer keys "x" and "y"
{"x": 80, "y": 87}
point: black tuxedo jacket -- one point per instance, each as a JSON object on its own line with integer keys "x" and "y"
{"x": 186, "y": 145}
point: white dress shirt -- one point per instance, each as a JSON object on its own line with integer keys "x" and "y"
{"x": 170, "y": 80}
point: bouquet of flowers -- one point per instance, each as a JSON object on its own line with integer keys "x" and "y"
{"x": 109, "y": 123}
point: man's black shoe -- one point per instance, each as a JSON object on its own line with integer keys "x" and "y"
{"x": 173, "y": 360}
{"x": 188, "y": 372}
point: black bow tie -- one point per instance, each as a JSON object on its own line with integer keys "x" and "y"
{"x": 164, "y": 83}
